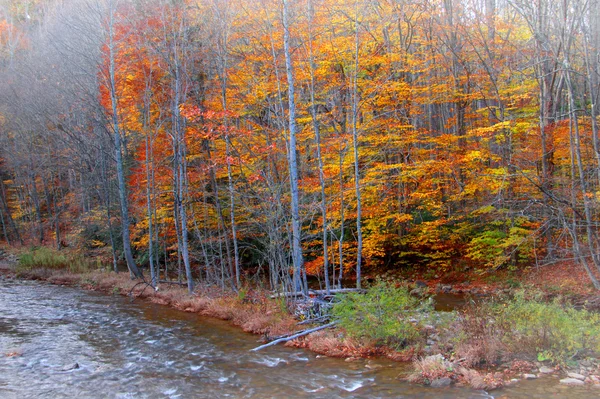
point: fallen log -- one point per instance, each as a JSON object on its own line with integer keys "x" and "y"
{"x": 315, "y": 320}
{"x": 294, "y": 336}
{"x": 317, "y": 292}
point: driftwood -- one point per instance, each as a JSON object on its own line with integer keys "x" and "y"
{"x": 293, "y": 336}
{"x": 316, "y": 292}
{"x": 315, "y": 320}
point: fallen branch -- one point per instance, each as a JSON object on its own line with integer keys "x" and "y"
{"x": 315, "y": 320}
{"x": 294, "y": 336}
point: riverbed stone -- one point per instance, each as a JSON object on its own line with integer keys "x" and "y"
{"x": 70, "y": 367}
{"x": 571, "y": 381}
{"x": 576, "y": 376}
{"x": 546, "y": 370}
{"x": 441, "y": 382}
{"x": 529, "y": 376}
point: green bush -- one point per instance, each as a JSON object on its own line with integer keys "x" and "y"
{"x": 381, "y": 315}
{"x": 555, "y": 331}
{"x": 46, "y": 258}
{"x": 528, "y": 326}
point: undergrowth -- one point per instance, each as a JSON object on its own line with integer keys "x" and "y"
{"x": 46, "y": 258}
{"x": 529, "y": 327}
{"x": 384, "y": 315}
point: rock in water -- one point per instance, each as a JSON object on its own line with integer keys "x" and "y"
{"x": 571, "y": 381}
{"x": 73, "y": 366}
{"x": 576, "y": 376}
{"x": 441, "y": 382}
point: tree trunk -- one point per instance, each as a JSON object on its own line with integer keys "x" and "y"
{"x": 293, "y": 163}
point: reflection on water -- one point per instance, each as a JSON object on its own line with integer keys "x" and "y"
{"x": 66, "y": 343}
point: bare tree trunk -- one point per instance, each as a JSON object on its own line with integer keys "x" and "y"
{"x": 119, "y": 152}
{"x": 222, "y": 48}
{"x": 576, "y": 143}
{"x": 316, "y": 127}
{"x": 355, "y": 150}
{"x": 296, "y": 226}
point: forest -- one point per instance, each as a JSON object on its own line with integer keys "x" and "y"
{"x": 276, "y": 142}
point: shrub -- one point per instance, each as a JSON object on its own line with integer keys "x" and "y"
{"x": 555, "y": 331}
{"x": 381, "y": 315}
{"x": 479, "y": 336}
{"x": 552, "y": 331}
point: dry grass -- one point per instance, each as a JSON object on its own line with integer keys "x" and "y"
{"x": 430, "y": 368}
{"x": 324, "y": 342}
{"x": 481, "y": 350}
{"x": 472, "y": 378}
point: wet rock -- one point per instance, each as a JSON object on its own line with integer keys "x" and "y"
{"x": 546, "y": 370}
{"x": 571, "y": 381}
{"x": 576, "y": 376}
{"x": 420, "y": 284}
{"x": 595, "y": 379}
{"x": 73, "y": 366}
{"x": 373, "y": 366}
{"x": 441, "y": 382}
{"x": 529, "y": 376}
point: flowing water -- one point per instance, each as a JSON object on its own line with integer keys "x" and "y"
{"x": 58, "y": 342}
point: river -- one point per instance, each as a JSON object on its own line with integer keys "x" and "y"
{"x": 59, "y": 342}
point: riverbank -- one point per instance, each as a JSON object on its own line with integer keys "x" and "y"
{"x": 435, "y": 355}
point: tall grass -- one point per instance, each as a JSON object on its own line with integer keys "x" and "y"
{"x": 529, "y": 327}
{"x": 46, "y": 258}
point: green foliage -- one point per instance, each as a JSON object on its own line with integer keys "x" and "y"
{"x": 524, "y": 325}
{"x": 381, "y": 315}
{"x": 46, "y": 258}
{"x": 242, "y": 294}
{"x": 487, "y": 247}
{"x": 557, "y": 331}
{"x": 503, "y": 242}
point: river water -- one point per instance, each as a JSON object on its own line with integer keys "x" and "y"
{"x": 142, "y": 350}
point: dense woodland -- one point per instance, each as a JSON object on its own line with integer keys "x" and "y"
{"x": 271, "y": 140}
